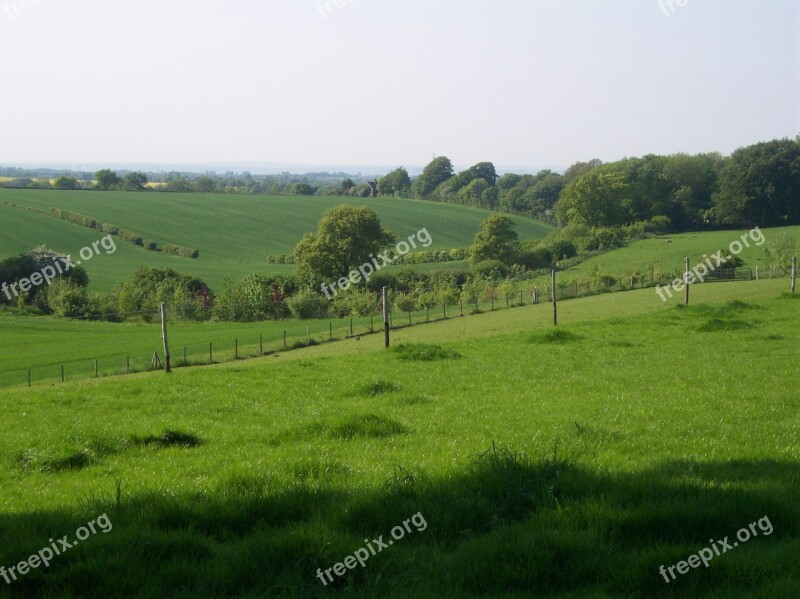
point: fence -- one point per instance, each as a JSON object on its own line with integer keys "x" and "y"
{"x": 194, "y": 344}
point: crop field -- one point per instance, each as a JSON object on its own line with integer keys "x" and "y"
{"x": 234, "y": 234}
{"x": 625, "y": 439}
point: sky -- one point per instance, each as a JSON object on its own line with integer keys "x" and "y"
{"x": 522, "y": 83}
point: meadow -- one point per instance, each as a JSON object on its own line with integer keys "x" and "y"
{"x": 234, "y": 233}
{"x": 553, "y": 462}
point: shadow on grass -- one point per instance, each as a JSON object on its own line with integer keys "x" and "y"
{"x": 506, "y": 526}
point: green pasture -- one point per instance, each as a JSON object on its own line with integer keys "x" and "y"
{"x": 547, "y": 462}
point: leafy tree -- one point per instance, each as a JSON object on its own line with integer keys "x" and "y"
{"x": 107, "y": 179}
{"x": 396, "y": 182}
{"x": 497, "y": 240}
{"x": 437, "y": 172}
{"x": 136, "y": 181}
{"x": 302, "y": 189}
{"x": 345, "y": 186}
{"x": 204, "y": 185}
{"x": 780, "y": 251}
{"x": 482, "y": 170}
{"x": 67, "y": 183}
{"x": 580, "y": 168}
{"x": 760, "y": 185}
{"x": 596, "y": 198}
{"x": 347, "y": 237}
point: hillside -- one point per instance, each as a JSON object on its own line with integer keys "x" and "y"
{"x": 244, "y": 479}
{"x": 234, "y": 233}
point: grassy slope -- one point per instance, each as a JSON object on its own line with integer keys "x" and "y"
{"x": 234, "y": 233}
{"x": 672, "y": 250}
{"x": 670, "y": 427}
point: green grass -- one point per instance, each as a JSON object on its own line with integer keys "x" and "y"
{"x": 541, "y": 467}
{"x": 234, "y": 233}
{"x": 671, "y": 251}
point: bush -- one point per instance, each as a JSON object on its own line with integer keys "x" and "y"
{"x": 149, "y": 244}
{"x": 534, "y": 259}
{"x": 66, "y": 299}
{"x": 305, "y": 305}
{"x": 131, "y": 237}
{"x": 491, "y": 268}
{"x": 108, "y": 228}
{"x": 176, "y": 250}
{"x": 562, "y": 248}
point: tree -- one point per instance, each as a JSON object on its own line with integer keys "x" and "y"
{"x": 396, "y": 182}
{"x": 204, "y": 185}
{"x": 437, "y": 172}
{"x": 596, "y": 199}
{"x": 67, "y": 183}
{"x": 302, "y": 189}
{"x": 347, "y": 238}
{"x": 136, "y": 181}
{"x": 496, "y": 240}
{"x": 760, "y": 185}
{"x": 107, "y": 179}
{"x": 346, "y": 185}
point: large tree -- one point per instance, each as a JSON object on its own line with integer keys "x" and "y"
{"x": 397, "y": 181}
{"x": 347, "y": 237}
{"x": 107, "y": 179}
{"x": 437, "y": 172}
{"x": 497, "y": 240}
{"x": 760, "y": 184}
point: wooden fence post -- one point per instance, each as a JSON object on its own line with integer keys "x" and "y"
{"x": 210, "y": 353}
{"x": 386, "y": 316}
{"x": 236, "y": 349}
{"x": 261, "y": 345}
{"x": 29, "y": 377}
{"x": 686, "y": 280}
{"x": 167, "y": 365}
{"x": 794, "y": 272}
{"x": 555, "y": 302}
{"x": 95, "y": 369}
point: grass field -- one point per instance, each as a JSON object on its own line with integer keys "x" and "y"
{"x": 670, "y": 251}
{"x": 568, "y": 464}
{"x": 234, "y": 234}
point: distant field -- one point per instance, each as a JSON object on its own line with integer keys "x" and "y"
{"x": 234, "y": 233}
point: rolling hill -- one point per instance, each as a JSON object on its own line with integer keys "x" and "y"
{"x": 234, "y": 233}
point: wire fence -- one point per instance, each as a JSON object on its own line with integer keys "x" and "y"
{"x": 197, "y": 344}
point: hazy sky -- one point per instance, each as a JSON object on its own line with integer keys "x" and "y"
{"x": 524, "y": 83}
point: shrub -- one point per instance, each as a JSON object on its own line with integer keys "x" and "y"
{"x": 131, "y": 237}
{"x": 108, "y": 228}
{"x": 540, "y": 257}
{"x": 176, "y": 250}
{"x": 305, "y": 305}
{"x": 491, "y": 268}
{"x": 150, "y": 245}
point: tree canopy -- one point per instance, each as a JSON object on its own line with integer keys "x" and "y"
{"x": 497, "y": 240}
{"x": 347, "y": 237}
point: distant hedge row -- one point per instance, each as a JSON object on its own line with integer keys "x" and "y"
{"x": 149, "y": 244}
{"x": 280, "y": 259}
{"x": 176, "y": 250}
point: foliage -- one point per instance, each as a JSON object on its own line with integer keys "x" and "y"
{"x": 496, "y": 240}
{"x": 347, "y": 237}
